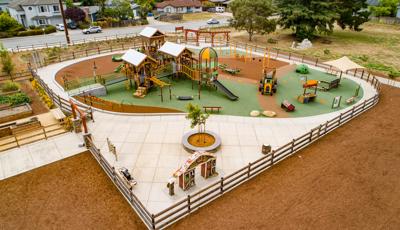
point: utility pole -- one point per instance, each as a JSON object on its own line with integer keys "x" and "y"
{"x": 65, "y": 23}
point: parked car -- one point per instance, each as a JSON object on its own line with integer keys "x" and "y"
{"x": 219, "y": 9}
{"x": 92, "y": 29}
{"x": 212, "y": 21}
{"x": 72, "y": 25}
{"x": 211, "y": 10}
{"x": 60, "y": 27}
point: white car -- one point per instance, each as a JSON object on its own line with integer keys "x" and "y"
{"x": 219, "y": 9}
{"x": 92, "y": 29}
{"x": 60, "y": 27}
{"x": 212, "y": 21}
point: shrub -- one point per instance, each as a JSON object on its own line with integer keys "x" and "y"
{"x": 10, "y": 86}
{"x": 15, "y": 99}
{"x": 50, "y": 29}
{"x": 32, "y": 27}
{"x": 144, "y": 22}
{"x": 42, "y": 93}
{"x": 327, "y": 51}
{"x": 394, "y": 74}
{"x": 272, "y": 41}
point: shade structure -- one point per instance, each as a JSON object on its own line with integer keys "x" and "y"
{"x": 344, "y": 64}
{"x": 134, "y": 57}
{"x": 149, "y": 32}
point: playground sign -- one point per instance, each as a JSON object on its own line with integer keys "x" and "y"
{"x": 336, "y": 102}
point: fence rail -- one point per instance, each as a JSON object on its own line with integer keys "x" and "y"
{"x": 196, "y": 200}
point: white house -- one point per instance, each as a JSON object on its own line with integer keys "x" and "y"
{"x": 179, "y": 6}
{"x": 36, "y": 12}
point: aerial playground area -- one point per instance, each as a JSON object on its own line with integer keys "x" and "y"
{"x": 163, "y": 77}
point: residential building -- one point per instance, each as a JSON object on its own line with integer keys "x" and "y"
{"x": 36, "y": 12}
{"x": 398, "y": 11}
{"x": 179, "y": 6}
{"x": 4, "y": 5}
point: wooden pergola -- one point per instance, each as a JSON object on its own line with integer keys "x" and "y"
{"x": 152, "y": 39}
{"x": 199, "y": 33}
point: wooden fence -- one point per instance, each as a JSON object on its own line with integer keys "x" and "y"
{"x": 198, "y": 199}
{"x": 30, "y": 135}
{"x": 18, "y": 76}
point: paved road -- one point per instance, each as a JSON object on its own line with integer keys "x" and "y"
{"x": 59, "y": 36}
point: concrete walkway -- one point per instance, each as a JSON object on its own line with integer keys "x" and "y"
{"x": 28, "y": 157}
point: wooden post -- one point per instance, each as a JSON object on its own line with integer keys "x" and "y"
{"x": 316, "y": 62}
{"x": 272, "y": 157}
{"x": 44, "y": 133}
{"x": 290, "y": 55}
{"x": 292, "y": 147}
{"x": 319, "y": 130}
{"x": 310, "y": 138}
{"x": 248, "y": 170}
{"x": 153, "y": 225}
{"x": 86, "y": 52}
{"x": 16, "y": 140}
{"x": 302, "y": 59}
{"x": 340, "y": 118}
{"x": 222, "y": 186}
{"x": 98, "y": 50}
{"x": 188, "y": 203}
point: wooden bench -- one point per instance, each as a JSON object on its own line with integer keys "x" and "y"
{"x": 212, "y": 108}
{"x": 58, "y": 114}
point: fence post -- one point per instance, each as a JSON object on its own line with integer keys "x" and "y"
{"x": 272, "y": 157}
{"x": 188, "y": 202}
{"x": 73, "y": 54}
{"x": 248, "y": 170}
{"x": 319, "y": 130}
{"x": 302, "y": 59}
{"x": 290, "y": 55}
{"x": 292, "y": 147}
{"x": 98, "y": 50}
{"x": 16, "y": 140}
{"x": 316, "y": 62}
{"x": 86, "y": 52}
{"x": 310, "y": 138}
{"x": 352, "y": 112}
{"x": 153, "y": 225}
{"x": 340, "y": 118}
{"x": 326, "y": 127}
{"x": 222, "y": 185}
{"x": 44, "y": 133}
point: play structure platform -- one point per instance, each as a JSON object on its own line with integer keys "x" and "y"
{"x": 225, "y": 90}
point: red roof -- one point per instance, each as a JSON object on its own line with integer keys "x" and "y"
{"x": 179, "y": 3}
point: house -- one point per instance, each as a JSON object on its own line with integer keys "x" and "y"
{"x": 398, "y": 12}
{"x": 36, "y": 12}
{"x": 135, "y": 7}
{"x": 224, "y": 3}
{"x": 4, "y": 5}
{"x": 179, "y": 6}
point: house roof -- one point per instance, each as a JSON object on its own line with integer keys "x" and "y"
{"x": 172, "y": 49}
{"x": 179, "y": 3}
{"x": 149, "y": 32}
{"x": 344, "y": 64}
{"x": 134, "y": 57}
{"x": 17, "y": 4}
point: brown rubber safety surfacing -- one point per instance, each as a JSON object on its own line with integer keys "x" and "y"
{"x": 84, "y": 68}
{"x": 347, "y": 180}
{"x": 73, "y": 193}
{"x": 201, "y": 140}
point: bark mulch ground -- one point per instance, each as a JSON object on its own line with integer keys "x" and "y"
{"x": 73, "y": 193}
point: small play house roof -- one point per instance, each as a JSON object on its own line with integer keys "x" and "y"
{"x": 172, "y": 49}
{"x": 343, "y": 64}
{"x": 134, "y": 57}
{"x": 149, "y": 32}
{"x": 194, "y": 160}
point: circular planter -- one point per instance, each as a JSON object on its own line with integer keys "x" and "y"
{"x": 201, "y": 142}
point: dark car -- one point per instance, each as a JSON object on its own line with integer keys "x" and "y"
{"x": 211, "y": 10}
{"x": 72, "y": 25}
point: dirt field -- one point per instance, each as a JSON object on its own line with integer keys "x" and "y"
{"x": 85, "y": 69}
{"x": 73, "y": 193}
{"x": 347, "y": 180}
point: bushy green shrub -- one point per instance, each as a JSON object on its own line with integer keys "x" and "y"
{"x": 32, "y": 27}
{"x": 10, "y": 86}
{"x": 394, "y": 74}
{"x": 15, "y": 99}
{"x": 50, "y": 29}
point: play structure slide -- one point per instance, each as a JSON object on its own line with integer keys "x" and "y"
{"x": 227, "y": 92}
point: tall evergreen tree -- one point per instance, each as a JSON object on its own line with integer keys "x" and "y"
{"x": 308, "y": 17}
{"x": 352, "y": 14}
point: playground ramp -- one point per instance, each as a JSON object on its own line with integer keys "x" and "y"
{"x": 225, "y": 90}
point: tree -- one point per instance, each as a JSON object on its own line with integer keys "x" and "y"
{"x": 352, "y": 14}
{"x": 8, "y": 23}
{"x": 306, "y": 17}
{"x": 122, "y": 9}
{"x": 146, "y": 6}
{"x": 75, "y": 14}
{"x": 69, "y": 3}
{"x": 386, "y": 8}
{"x": 197, "y": 117}
{"x": 6, "y": 61}
{"x": 253, "y": 16}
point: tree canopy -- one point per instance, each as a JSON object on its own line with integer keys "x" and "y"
{"x": 122, "y": 9}
{"x": 307, "y": 18}
{"x": 75, "y": 14}
{"x": 385, "y": 8}
{"x": 8, "y": 23}
{"x": 145, "y": 7}
{"x": 253, "y": 16}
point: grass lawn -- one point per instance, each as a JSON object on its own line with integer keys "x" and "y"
{"x": 200, "y": 16}
{"x": 375, "y": 47}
